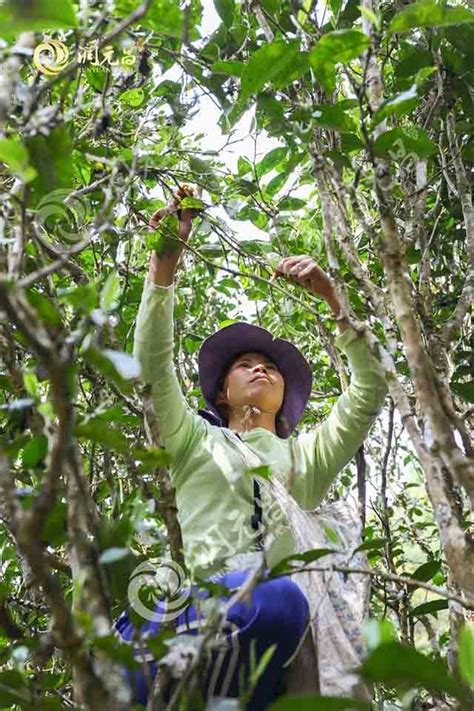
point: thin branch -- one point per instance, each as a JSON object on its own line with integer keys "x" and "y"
{"x": 467, "y": 601}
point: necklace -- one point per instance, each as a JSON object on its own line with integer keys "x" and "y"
{"x": 250, "y": 410}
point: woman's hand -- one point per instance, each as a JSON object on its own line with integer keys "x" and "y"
{"x": 305, "y": 271}
{"x": 159, "y": 214}
{"x": 165, "y": 257}
{"x": 185, "y": 215}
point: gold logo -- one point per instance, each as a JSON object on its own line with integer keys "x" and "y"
{"x": 57, "y": 57}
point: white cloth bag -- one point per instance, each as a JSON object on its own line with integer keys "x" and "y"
{"x": 338, "y": 602}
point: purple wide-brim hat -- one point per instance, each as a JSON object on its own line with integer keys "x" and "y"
{"x": 222, "y": 347}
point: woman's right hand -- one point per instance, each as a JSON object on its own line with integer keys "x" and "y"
{"x": 159, "y": 214}
{"x": 163, "y": 265}
{"x": 185, "y": 215}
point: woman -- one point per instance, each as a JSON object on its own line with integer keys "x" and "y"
{"x": 256, "y": 388}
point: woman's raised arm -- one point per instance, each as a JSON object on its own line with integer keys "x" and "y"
{"x": 333, "y": 443}
{"x": 154, "y": 339}
{"x": 163, "y": 267}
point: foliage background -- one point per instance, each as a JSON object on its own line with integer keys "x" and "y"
{"x": 372, "y": 109}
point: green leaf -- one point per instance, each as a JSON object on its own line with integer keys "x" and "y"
{"x": 413, "y": 255}
{"x": 212, "y": 251}
{"x": 15, "y": 155}
{"x": 225, "y": 10}
{"x": 105, "y": 435}
{"x": 133, "y": 97}
{"x": 399, "y": 105}
{"x": 461, "y": 39}
{"x": 44, "y": 307}
{"x": 163, "y": 16}
{"x": 335, "y": 6}
{"x": 83, "y": 297}
{"x": 231, "y": 67}
{"x": 31, "y": 382}
{"x": 192, "y": 203}
{"x": 258, "y": 219}
{"x": 158, "y": 644}
{"x": 115, "y": 532}
{"x": 464, "y": 390}
{"x": 333, "y": 116}
{"x": 199, "y": 165}
{"x": 244, "y": 166}
{"x": 342, "y": 45}
{"x": 54, "y": 531}
{"x": 110, "y": 292}
{"x": 331, "y": 534}
{"x": 52, "y": 681}
{"x": 262, "y": 664}
{"x": 292, "y": 203}
{"x": 272, "y": 107}
{"x": 192, "y": 343}
{"x": 291, "y": 72}
{"x": 168, "y": 88}
{"x": 427, "y": 571}
{"x": 263, "y": 471}
{"x": 264, "y": 64}
{"x": 228, "y": 321}
{"x": 428, "y": 608}
{"x": 317, "y": 703}
{"x": 466, "y": 653}
{"x": 96, "y": 358}
{"x": 51, "y": 156}
{"x": 246, "y": 187}
{"x": 301, "y": 559}
{"x": 152, "y": 457}
{"x": 423, "y": 74}
{"x": 429, "y": 14}
{"x": 411, "y": 139}
{"x": 339, "y": 46}
{"x": 402, "y": 667}
{"x": 34, "y": 452}
{"x": 371, "y": 16}
{"x": 270, "y": 160}
{"x": 411, "y": 62}
{"x": 7, "y": 385}
{"x": 276, "y": 183}
{"x": 372, "y": 544}
{"x": 351, "y": 142}
{"x": 96, "y": 77}
{"x": 201, "y": 168}
{"x": 36, "y": 16}
{"x": 13, "y": 690}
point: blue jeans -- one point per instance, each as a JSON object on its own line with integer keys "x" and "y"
{"x": 278, "y": 613}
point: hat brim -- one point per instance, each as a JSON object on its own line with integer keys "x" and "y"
{"x": 218, "y": 351}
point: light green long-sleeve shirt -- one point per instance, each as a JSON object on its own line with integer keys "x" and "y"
{"x": 214, "y": 491}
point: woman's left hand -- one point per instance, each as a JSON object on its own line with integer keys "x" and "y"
{"x": 305, "y": 271}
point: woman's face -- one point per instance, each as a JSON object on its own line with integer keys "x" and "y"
{"x": 253, "y": 379}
